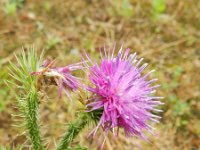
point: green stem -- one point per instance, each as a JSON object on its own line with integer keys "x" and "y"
{"x": 32, "y": 124}
{"x": 73, "y": 131}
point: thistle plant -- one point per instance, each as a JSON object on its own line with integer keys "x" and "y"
{"x": 124, "y": 95}
{"x": 28, "y": 96}
{"x": 118, "y": 95}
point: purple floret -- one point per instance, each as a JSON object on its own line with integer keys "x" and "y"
{"x": 123, "y": 93}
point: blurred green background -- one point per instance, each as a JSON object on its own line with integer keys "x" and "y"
{"x": 165, "y": 32}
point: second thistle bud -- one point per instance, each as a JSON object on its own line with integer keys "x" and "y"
{"x": 59, "y": 76}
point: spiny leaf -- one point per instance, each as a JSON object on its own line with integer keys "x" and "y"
{"x": 27, "y": 98}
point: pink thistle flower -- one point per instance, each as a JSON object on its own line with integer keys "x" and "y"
{"x": 60, "y": 76}
{"x": 123, "y": 94}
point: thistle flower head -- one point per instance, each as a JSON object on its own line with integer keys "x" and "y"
{"x": 60, "y": 76}
{"x": 122, "y": 93}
